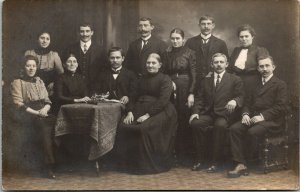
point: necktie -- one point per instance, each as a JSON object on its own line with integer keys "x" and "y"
{"x": 263, "y": 81}
{"x": 218, "y": 82}
{"x": 144, "y": 42}
{"x": 84, "y": 48}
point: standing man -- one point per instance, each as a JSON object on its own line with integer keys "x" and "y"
{"x": 206, "y": 45}
{"x": 218, "y": 98}
{"x": 91, "y": 57}
{"x": 264, "y": 111}
{"x": 140, "y": 49}
{"x": 117, "y": 80}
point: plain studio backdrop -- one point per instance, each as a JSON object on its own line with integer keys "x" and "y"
{"x": 115, "y": 24}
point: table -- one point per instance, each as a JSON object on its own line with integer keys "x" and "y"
{"x": 100, "y": 121}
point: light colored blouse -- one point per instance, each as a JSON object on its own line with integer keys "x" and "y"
{"x": 24, "y": 92}
{"x": 48, "y": 62}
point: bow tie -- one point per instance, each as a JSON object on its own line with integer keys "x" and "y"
{"x": 115, "y": 72}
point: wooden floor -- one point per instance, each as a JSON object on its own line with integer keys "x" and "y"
{"x": 179, "y": 178}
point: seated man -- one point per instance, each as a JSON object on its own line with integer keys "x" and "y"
{"x": 118, "y": 81}
{"x": 264, "y": 111}
{"x": 217, "y": 100}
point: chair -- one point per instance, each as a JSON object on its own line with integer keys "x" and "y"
{"x": 273, "y": 150}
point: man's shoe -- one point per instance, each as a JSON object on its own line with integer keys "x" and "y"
{"x": 239, "y": 170}
{"x": 197, "y": 166}
{"x": 212, "y": 169}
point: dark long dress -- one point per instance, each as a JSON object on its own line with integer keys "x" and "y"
{"x": 147, "y": 147}
{"x": 180, "y": 65}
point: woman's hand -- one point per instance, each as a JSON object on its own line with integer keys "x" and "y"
{"x": 190, "y": 100}
{"x": 82, "y": 100}
{"x": 143, "y": 118}
{"x": 129, "y": 118}
{"x": 44, "y": 111}
{"x": 124, "y": 100}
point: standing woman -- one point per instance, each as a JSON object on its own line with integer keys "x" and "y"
{"x": 145, "y": 137}
{"x": 32, "y": 103}
{"x": 180, "y": 64}
{"x": 244, "y": 59}
{"x": 49, "y": 61}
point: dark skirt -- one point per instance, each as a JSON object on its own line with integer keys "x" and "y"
{"x": 147, "y": 147}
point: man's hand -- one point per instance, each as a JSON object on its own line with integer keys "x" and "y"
{"x": 257, "y": 119}
{"x": 246, "y": 120}
{"x": 193, "y": 117}
{"x": 82, "y": 100}
{"x": 124, "y": 100}
{"x": 231, "y": 106}
{"x": 143, "y": 118}
{"x": 190, "y": 100}
{"x": 129, "y": 118}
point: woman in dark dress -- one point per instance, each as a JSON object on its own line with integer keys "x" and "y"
{"x": 145, "y": 137}
{"x": 180, "y": 64}
{"x": 32, "y": 103}
{"x": 71, "y": 86}
{"x": 244, "y": 59}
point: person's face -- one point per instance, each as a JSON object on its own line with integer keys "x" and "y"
{"x": 176, "y": 40}
{"x": 71, "y": 64}
{"x": 153, "y": 65}
{"x": 246, "y": 38}
{"x": 30, "y": 68}
{"x": 44, "y": 40}
{"x": 145, "y": 28}
{"x": 265, "y": 67}
{"x": 116, "y": 59}
{"x": 206, "y": 27}
{"x": 219, "y": 64}
{"x": 85, "y": 33}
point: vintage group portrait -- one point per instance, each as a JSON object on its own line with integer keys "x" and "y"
{"x": 150, "y": 95}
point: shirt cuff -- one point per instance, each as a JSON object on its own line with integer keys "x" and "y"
{"x": 245, "y": 114}
{"x": 262, "y": 116}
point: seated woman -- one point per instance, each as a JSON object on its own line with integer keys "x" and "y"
{"x": 70, "y": 87}
{"x": 31, "y": 99}
{"x": 145, "y": 137}
{"x": 49, "y": 61}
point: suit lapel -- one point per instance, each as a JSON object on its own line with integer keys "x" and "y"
{"x": 267, "y": 86}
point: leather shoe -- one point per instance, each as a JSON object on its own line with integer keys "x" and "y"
{"x": 239, "y": 170}
{"x": 197, "y": 166}
{"x": 212, "y": 169}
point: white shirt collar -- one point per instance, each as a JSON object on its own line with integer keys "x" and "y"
{"x": 118, "y": 69}
{"x": 221, "y": 74}
{"x": 146, "y": 38}
{"x": 205, "y": 36}
{"x": 268, "y": 78}
{"x": 88, "y": 44}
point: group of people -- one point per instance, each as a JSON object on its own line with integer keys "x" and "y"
{"x": 180, "y": 101}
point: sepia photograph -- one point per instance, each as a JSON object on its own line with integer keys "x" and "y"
{"x": 150, "y": 95}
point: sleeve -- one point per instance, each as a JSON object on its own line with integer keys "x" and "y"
{"x": 261, "y": 52}
{"x": 165, "y": 63}
{"x": 193, "y": 73}
{"x": 280, "y": 105}
{"x": 239, "y": 92}
{"x": 133, "y": 86}
{"x": 232, "y": 61}
{"x": 58, "y": 64}
{"x": 165, "y": 92}
{"x": 128, "y": 58}
{"x": 60, "y": 93}
{"x": 224, "y": 49}
{"x": 44, "y": 92}
{"x": 16, "y": 92}
{"x": 199, "y": 99}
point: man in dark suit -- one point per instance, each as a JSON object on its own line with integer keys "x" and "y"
{"x": 118, "y": 81}
{"x": 90, "y": 56}
{"x": 264, "y": 111}
{"x": 218, "y": 98}
{"x": 140, "y": 49}
{"x": 206, "y": 45}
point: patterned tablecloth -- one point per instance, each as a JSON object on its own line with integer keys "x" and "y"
{"x": 99, "y": 121}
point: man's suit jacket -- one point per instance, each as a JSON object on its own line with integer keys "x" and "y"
{"x": 270, "y": 100}
{"x": 253, "y": 54}
{"x": 210, "y": 100}
{"x": 136, "y": 58}
{"x": 216, "y": 45}
{"x": 97, "y": 61}
{"x": 126, "y": 84}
